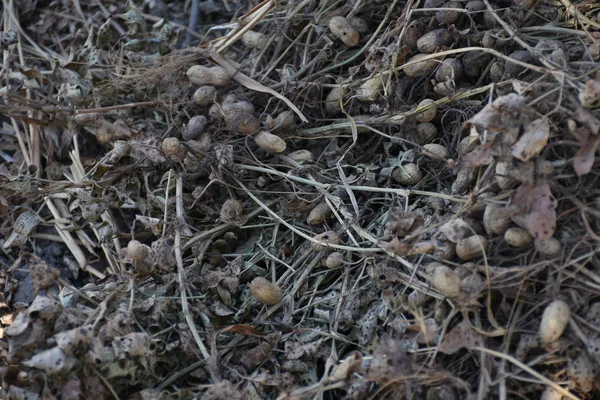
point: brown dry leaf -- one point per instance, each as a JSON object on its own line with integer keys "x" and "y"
{"x": 586, "y": 118}
{"x": 256, "y": 356}
{"x": 243, "y": 329}
{"x": 540, "y": 216}
{"x": 425, "y": 331}
{"x": 74, "y": 339}
{"x": 507, "y": 114}
{"x": 133, "y": 344}
{"x": 43, "y": 275}
{"x": 533, "y": 140}
{"x": 589, "y": 96}
{"x": 481, "y": 155}
{"x": 352, "y": 362}
{"x": 390, "y": 360}
{"x": 462, "y": 336}
{"x": 53, "y": 361}
{"x": 402, "y": 223}
{"x": 149, "y": 145}
{"x": 586, "y": 155}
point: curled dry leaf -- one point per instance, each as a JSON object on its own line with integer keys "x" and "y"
{"x": 352, "y": 362}
{"x": 481, "y": 155}
{"x": 586, "y": 155}
{"x": 74, "y": 339}
{"x": 506, "y": 115}
{"x": 462, "y": 336}
{"x": 539, "y": 218}
{"x": 53, "y": 361}
{"x": 533, "y": 140}
{"x": 132, "y": 345}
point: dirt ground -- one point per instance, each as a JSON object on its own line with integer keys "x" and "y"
{"x": 302, "y": 199}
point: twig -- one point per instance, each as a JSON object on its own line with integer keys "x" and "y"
{"x": 180, "y": 271}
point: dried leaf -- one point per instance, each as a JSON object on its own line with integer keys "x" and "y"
{"x": 256, "y": 355}
{"x": 53, "y": 361}
{"x": 352, "y": 362}
{"x": 74, "y": 339}
{"x": 539, "y": 217}
{"x": 131, "y": 345}
{"x": 586, "y": 118}
{"x": 243, "y": 329}
{"x": 462, "y": 336}
{"x": 533, "y": 141}
{"x": 507, "y": 114}
{"x": 586, "y": 155}
{"x": 43, "y": 275}
{"x": 481, "y": 155}
{"x": 589, "y": 96}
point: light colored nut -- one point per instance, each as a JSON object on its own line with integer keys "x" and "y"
{"x": 334, "y": 260}
{"x": 136, "y": 250}
{"x": 503, "y": 172}
{"x": 334, "y": 99}
{"x": 231, "y": 105}
{"x": 324, "y": 239}
{"x": 194, "y": 128}
{"x": 232, "y": 211}
{"x": 319, "y": 214}
{"x": 205, "y": 95}
{"x": 429, "y": 113}
{"x": 22, "y": 228}
{"x": 550, "y": 393}
{"x": 495, "y": 220}
{"x": 343, "y": 29}
{"x": 497, "y": 72}
{"x": 466, "y": 145}
{"x": 369, "y": 90}
{"x": 173, "y": 149}
{"x": 242, "y": 122}
{"x": 582, "y": 373}
{"x": 446, "y": 281}
{"x": 254, "y": 40}
{"x": 471, "y": 247}
{"x": 439, "y": 39}
{"x": 214, "y": 76}
{"x": 475, "y": 6}
{"x": 301, "y": 156}
{"x": 269, "y": 142}
{"x": 412, "y": 34}
{"x": 465, "y": 177}
{"x": 513, "y": 69}
{"x": 450, "y": 69}
{"x": 448, "y": 16}
{"x": 426, "y": 132}
{"x": 359, "y": 24}
{"x": 266, "y": 292}
{"x": 421, "y": 68}
{"x": 517, "y": 237}
{"x": 549, "y": 247}
{"x": 283, "y": 121}
{"x": 407, "y": 174}
{"x": 554, "y": 321}
{"x": 436, "y": 151}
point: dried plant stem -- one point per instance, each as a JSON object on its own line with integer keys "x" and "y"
{"x": 180, "y": 271}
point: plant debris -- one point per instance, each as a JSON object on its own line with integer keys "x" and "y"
{"x": 297, "y": 200}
